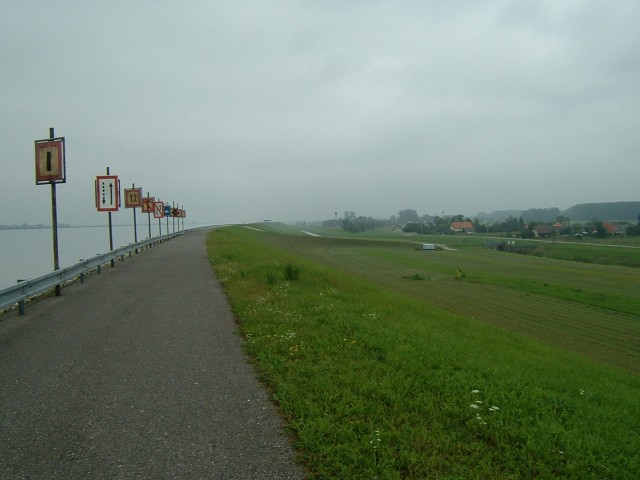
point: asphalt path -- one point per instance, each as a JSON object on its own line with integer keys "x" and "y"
{"x": 137, "y": 373}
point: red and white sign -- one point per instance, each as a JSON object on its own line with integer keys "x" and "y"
{"x": 158, "y": 209}
{"x": 132, "y": 197}
{"x": 50, "y": 167}
{"x": 147, "y": 204}
{"x": 107, "y": 193}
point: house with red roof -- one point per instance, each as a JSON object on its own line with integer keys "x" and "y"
{"x": 466, "y": 227}
{"x": 615, "y": 228}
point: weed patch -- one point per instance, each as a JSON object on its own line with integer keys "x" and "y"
{"x": 291, "y": 272}
{"x": 415, "y": 276}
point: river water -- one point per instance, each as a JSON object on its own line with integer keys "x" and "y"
{"x": 28, "y": 253}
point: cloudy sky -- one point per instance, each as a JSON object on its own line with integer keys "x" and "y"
{"x": 247, "y": 110}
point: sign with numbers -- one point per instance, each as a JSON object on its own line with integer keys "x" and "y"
{"x": 132, "y": 197}
{"x": 50, "y": 165}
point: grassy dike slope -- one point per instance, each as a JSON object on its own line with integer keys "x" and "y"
{"x": 375, "y": 384}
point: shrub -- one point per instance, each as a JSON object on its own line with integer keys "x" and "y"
{"x": 291, "y": 272}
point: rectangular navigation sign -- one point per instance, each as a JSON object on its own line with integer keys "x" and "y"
{"x": 107, "y": 193}
{"x": 147, "y": 204}
{"x": 158, "y": 210}
{"x": 132, "y": 197}
{"x": 50, "y": 166}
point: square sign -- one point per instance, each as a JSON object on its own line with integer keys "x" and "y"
{"x": 132, "y": 197}
{"x": 158, "y": 210}
{"x": 107, "y": 193}
{"x": 50, "y": 165}
{"x": 147, "y": 204}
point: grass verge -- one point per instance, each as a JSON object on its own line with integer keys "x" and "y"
{"x": 376, "y": 385}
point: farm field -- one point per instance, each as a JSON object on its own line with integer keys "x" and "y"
{"x": 386, "y": 365}
{"x": 589, "y": 308}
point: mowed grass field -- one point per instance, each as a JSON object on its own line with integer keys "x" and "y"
{"x": 386, "y": 365}
{"x": 589, "y": 308}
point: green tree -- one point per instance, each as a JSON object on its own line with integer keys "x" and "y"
{"x": 408, "y": 216}
{"x": 354, "y": 224}
{"x": 601, "y": 232}
{"x": 527, "y": 233}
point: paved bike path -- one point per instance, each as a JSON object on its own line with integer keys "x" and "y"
{"x": 137, "y": 373}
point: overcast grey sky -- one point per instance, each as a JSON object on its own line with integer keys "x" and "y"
{"x": 290, "y": 110}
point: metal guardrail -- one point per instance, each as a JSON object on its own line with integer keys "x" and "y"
{"x": 30, "y": 288}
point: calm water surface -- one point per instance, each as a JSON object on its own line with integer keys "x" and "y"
{"x": 28, "y": 253}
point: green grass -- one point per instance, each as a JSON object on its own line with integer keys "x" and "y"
{"x": 618, "y": 255}
{"x": 589, "y": 308}
{"x": 375, "y": 381}
{"x": 617, "y": 250}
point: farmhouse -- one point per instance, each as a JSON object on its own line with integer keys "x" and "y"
{"x": 609, "y": 228}
{"x": 542, "y": 231}
{"x": 615, "y": 228}
{"x": 466, "y": 227}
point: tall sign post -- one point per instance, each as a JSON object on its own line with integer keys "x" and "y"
{"x": 108, "y": 199}
{"x": 167, "y": 214}
{"x": 147, "y": 207}
{"x": 174, "y": 214}
{"x": 51, "y": 169}
{"x": 133, "y": 199}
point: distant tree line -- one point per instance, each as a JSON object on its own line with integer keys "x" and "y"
{"x": 523, "y": 226}
{"x": 510, "y": 225}
{"x": 357, "y": 223}
{"x": 408, "y": 220}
